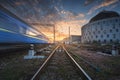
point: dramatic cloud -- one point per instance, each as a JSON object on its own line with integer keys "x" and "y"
{"x": 87, "y": 2}
{"x": 61, "y": 28}
{"x": 103, "y": 4}
{"x": 43, "y": 15}
{"x": 81, "y": 22}
{"x": 75, "y": 25}
{"x": 34, "y": 10}
{"x": 48, "y": 31}
{"x": 69, "y": 15}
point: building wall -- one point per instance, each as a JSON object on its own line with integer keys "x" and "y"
{"x": 75, "y": 39}
{"x": 103, "y": 31}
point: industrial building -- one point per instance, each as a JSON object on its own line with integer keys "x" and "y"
{"x": 75, "y": 39}
{"x": 72, "y": 39}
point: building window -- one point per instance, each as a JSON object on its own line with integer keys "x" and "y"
{"x": 101, "y": 36}
{"x": 98, "y": 31}
{"x": 117, "y": 30}
{"x": 111, "y": 40}
{"x": 110, "y": 30}
{"x": 105, "y": 41}
{"x": 107, "y": 35}
{"x": 99, "y": 41}
{"x": 113, "y": 26}
{"x": 96, "y": 36}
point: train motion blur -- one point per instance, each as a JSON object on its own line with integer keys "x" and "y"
{"x": 15, "y": 30}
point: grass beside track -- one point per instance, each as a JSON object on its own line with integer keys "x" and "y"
{"x": 108, "y": 65}
{"x": 14, "y": 67}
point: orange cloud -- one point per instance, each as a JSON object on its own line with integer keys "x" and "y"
{"x": 73, "y": 20}
{"x": 48, "y": 31}
{"x": 75, "y": 26}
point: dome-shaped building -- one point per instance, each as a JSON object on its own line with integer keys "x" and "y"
{"x": 103, "y": 28}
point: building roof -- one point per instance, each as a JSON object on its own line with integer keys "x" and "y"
{"x": 104, "y": 15}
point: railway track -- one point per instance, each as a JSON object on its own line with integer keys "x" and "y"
{"x": 60, "y": 65}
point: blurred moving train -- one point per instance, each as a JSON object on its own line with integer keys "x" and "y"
{"x": 15, "y": 30}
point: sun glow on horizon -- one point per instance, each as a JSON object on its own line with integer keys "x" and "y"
{"x": 61, "y": 29}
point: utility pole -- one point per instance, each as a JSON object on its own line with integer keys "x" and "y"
{"x": 54, "y": 34}
{"x": 69, "y": 35}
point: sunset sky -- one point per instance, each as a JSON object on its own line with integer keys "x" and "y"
{"x": 44, "y": 14}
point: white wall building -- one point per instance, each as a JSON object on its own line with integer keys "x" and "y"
{"x": 103, "y": 28}
{"x": 75, "y": 39}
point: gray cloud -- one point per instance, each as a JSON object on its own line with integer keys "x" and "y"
{"x": 34, "y": 10}
{"x": 87, "y": 2}
{"x": 104, "y": 3}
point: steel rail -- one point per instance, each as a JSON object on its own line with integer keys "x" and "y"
{"x": 90, "y": 64}
{"x": 36, "y": 75}
{"x": 84, "y": 75}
